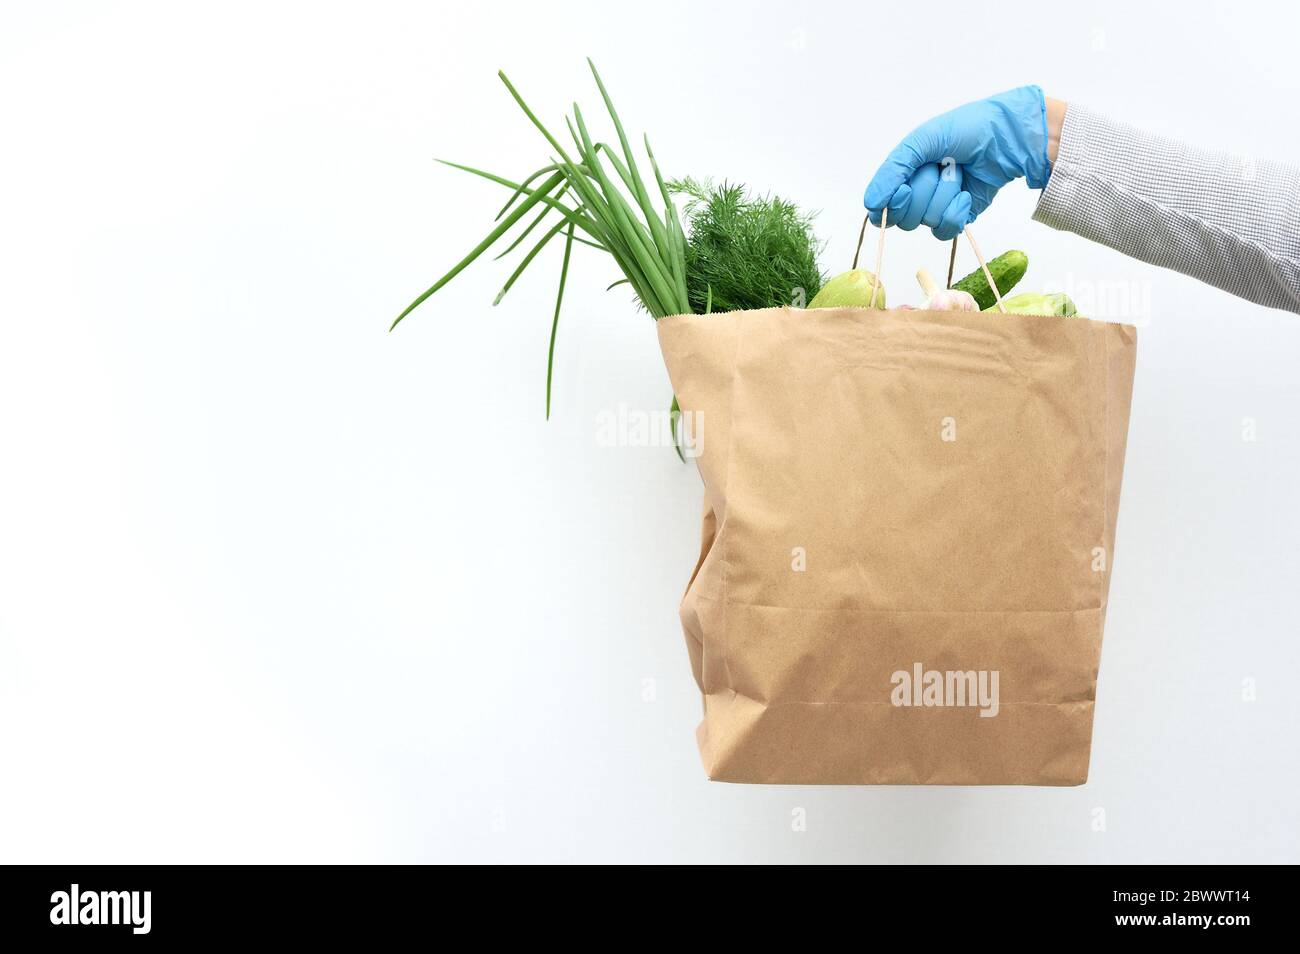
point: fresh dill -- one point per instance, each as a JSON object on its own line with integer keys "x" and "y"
{"x": 746, "y": 252}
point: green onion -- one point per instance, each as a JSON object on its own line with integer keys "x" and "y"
{"x": 555, "y": 322}
{"x": 646, "y": 241}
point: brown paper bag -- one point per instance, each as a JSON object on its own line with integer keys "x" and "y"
{"x": 909, "y": 525}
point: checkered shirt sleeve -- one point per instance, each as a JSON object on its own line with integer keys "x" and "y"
{"x": 1230, "y": 221}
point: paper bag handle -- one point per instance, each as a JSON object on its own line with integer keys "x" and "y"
{"x": 880, "y": 257}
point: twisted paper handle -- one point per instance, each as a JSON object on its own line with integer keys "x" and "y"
{"x": 880, "y": 250}
{"x": 880, "y": 257}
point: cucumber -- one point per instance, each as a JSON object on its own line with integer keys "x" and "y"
{"x": 1050, "y": 305}
{"x": 1007, "y": 269}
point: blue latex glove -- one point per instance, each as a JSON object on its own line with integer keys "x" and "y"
{"x": 947, "y": 170}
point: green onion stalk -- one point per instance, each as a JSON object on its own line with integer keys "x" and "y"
{"x": 595, "y": 196}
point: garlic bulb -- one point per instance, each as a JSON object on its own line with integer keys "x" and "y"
{"x": 944, "y": 299}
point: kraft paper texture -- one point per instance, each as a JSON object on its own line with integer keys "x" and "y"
{"x": 895, "y": 492}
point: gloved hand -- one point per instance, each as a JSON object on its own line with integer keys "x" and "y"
{"x": 947, "y": 170}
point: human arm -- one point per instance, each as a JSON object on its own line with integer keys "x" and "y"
{"x": 1232, "y": 222}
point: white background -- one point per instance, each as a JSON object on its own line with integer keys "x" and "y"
{"x": 276, "y": 585}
